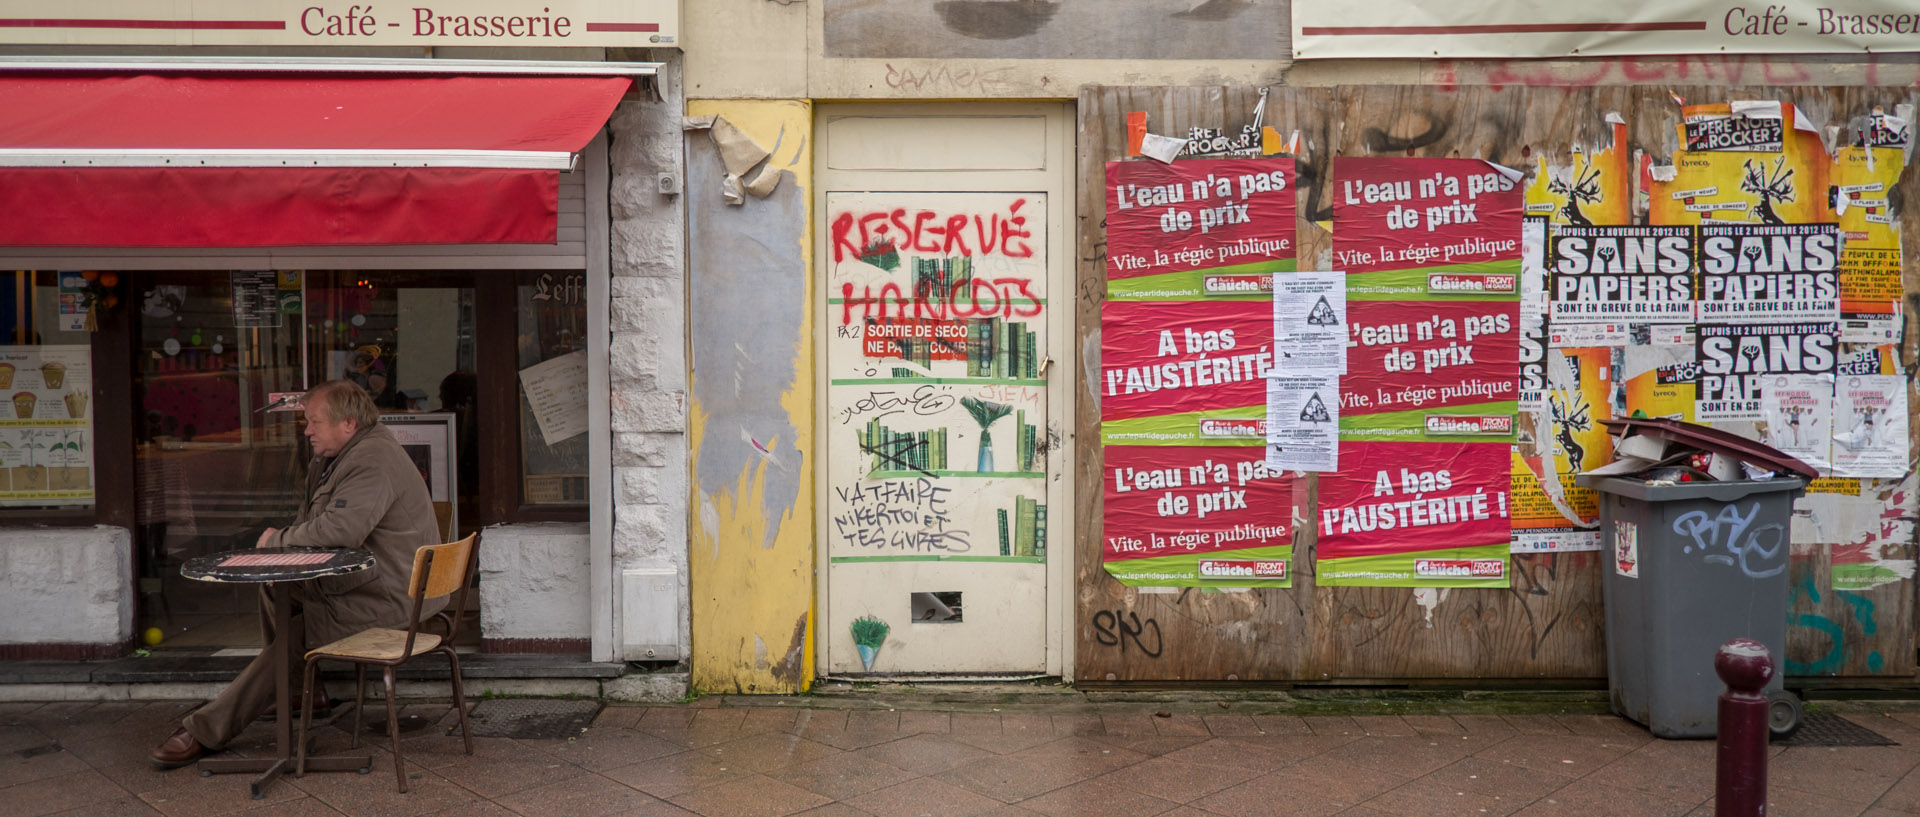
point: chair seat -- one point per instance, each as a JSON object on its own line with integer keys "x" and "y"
{"x": 378, "y": 644}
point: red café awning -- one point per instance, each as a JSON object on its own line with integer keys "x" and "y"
{"x": 249, "y": 160}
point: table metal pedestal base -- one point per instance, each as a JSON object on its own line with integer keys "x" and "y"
{"x": 271, "y": 768}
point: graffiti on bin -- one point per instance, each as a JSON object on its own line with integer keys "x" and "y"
{"x": 1731, "y": 538}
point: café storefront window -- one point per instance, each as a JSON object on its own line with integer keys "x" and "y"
{"x": 47, "y": 438}
{"x": 216, "y": 457}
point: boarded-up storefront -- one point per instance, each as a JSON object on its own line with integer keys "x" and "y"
{"x": 1769, "y": 167}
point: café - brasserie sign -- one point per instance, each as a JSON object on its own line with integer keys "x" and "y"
{"x": 551, "y": 23}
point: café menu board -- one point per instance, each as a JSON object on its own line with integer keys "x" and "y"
{"x": 46, "y": 427}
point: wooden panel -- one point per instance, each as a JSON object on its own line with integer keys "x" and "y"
{"x": 1550, "y": 624}
{"x": 1122, "y": 634}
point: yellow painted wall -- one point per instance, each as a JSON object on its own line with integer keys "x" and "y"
{"x": 752, "y": 569}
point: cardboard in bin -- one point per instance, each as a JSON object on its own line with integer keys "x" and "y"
{"x": 1728, "y": 450}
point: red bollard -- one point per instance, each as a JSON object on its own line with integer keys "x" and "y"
{"x": 1740, "y": 782}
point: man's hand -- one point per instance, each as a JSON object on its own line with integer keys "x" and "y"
{"x": 264, "y": 536}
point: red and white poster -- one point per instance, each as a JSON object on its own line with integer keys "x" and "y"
{"x": 1412, "y": 357}
{"x": 1187, "y": 516}
{"x": 1181, "y": 357}
{"x": 1415, "y": 515}
{"x": 1204, "y": 228}
{"x": 1433, "y": 215}
{"x": 1429, "y": 400}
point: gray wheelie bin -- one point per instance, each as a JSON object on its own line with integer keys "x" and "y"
{"x": 1691, "y": 566}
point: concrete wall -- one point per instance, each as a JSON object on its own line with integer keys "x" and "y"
{"x": 648, "y": 362}
{"x": 533, "y": 581}
{"x": 66, "y": 586}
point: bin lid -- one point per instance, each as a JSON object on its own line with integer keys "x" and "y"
{"x": 1716, "y": 441}
{"x": 1718, "y": 491}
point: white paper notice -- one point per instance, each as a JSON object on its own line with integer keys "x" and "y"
{"x": 1162, "y": 148}
{"x": 1310, "y": 323}
{"x": 1588, "y": 335}
{"x": 1870, "y": 426}
{"x": 1533, "y": 269}
{"x": 1303, "y": 423}
{"x": 557, "y": 390}
{"x": 1798, "y": 411}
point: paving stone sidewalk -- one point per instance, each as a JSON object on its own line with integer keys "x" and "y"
{"x": 778, "y": 757}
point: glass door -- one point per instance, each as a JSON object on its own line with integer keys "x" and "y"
{"x": 215, "y": 462}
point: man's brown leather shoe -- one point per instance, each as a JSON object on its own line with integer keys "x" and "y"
{"x": 179, "y": 750}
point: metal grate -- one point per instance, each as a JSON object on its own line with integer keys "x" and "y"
{"x": 1828, "y": 729}
{"x": 530, "y": 718}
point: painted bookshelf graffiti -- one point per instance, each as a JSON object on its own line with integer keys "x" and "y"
{"x": 1023, "y": 533}
{"x": 994, "y": 349}
{"x": 936, "y": 353}
{"x": 926, "y": 452}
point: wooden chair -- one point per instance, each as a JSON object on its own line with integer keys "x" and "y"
{"x": 438, "y": 571}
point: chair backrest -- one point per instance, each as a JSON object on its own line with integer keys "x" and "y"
{"x": 439, "y": 570}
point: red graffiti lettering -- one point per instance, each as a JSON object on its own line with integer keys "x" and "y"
{"x": 925, "y": 231}
{"x": 969, "y": 298}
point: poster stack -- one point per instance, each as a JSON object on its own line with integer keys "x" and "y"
{"x": 1187, "y": 344}
{"x": 1433, "y": 258}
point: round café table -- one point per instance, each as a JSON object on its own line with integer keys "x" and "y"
{"x": 279, "y": 568}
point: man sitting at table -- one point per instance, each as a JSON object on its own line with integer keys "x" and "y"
{"x": 362, "y": 492}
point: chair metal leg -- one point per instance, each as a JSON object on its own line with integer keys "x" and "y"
{"x": 359, "y": 701}
{"x": 306, "y": 718}
{"x": 393, "y": 732}
{"x": 460, "y": 699}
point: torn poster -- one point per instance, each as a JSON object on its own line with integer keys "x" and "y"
{"x": 1533, "y": 363}
{"x": 1798, "y": 412}
{"x": 1550, "y": 511}
{"x": 1213, "y": 228}
{"x": 1776, "y": 273}
{"x": 1864, "y": 174}
{"x": 1588, "y": 335}
{"x": 1734, "y": 359}
{"x": 1763, "y": 181}
{"x": 1660, "y": 381}
{"x": 1870, "y": 426}
{"x": 1621, "y": 274}
{"x": 1415, "y": 515}
{"x": 1303, "y": 423}
{"x": 1310, "y": 323}
{"x": 1181, "y": 516}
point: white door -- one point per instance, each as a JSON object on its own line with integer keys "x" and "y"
{"x": 942, "y": 234}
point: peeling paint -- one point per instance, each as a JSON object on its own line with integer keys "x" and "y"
{"x": 1429, "y": 598}
{"x": 751, "y": 419}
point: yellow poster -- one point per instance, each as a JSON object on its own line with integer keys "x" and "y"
{"x": 1659, "y": 381}
{"x": 1863, "y": 175}
{"x": 1550, "y": 512}
{"x": 1596, "y": 189}
{"x": 1743, "y": 162}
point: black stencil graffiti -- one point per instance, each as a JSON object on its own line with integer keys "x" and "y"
{"x": 1113, "y": 630}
